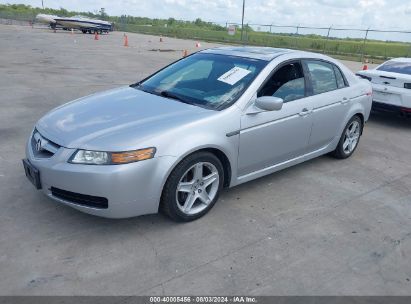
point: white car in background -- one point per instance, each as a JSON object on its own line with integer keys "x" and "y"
{"x": 391, "y": 83}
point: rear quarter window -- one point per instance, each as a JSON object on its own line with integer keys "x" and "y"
{"x": 341, "y": 83}
{"x": 322, "y": 76}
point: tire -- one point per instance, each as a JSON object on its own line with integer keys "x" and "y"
{"x": 190, "y": 192}
{"x": 350, "y": 138}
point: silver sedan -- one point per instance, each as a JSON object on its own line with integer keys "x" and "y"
{"x": 215, "y": 119}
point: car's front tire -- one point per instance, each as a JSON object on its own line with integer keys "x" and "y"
{"x": 193, "y": 187}
{"x": 349, "y": 139}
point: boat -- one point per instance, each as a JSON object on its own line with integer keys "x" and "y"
{"x": 84, "y": 24}
{"x": 47, "y": 19}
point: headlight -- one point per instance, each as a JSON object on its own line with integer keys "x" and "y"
{"x": 90, "y": 157}
{"x": 111, "y": 158}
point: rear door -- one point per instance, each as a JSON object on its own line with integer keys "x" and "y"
{"x": 330, "y": 98}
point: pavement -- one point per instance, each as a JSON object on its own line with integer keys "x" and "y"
{"x": 325, "y": 227}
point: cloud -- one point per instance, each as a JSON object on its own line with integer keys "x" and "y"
{"x": 337, "y": 4}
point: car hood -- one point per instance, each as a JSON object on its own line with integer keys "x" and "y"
{"x": 116, "y": 120}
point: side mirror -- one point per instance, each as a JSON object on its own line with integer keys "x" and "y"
{"x": 269, "y": 103}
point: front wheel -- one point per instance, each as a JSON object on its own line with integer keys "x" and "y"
{"x": 193, "y": 187}
{"x": 349, "y": 139}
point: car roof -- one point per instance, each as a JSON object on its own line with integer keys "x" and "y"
{"x": 401, "y": 59}
{"x": 254, "y": 52}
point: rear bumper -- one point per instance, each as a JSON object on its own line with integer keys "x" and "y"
{"x": 384, "y": 107}
{"x": 398, "y": 98}
{"x": 112, "y": 191}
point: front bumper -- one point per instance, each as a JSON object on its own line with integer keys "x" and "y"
{"x": 130, "y": 189}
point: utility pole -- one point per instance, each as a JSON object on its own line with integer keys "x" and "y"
{"x": 328, "y": 37}
{"x": 242, "y": 21}
{"x": 42, "y": 4}
{"x": 296, "y": 36}
{"x": 363, "y": 45}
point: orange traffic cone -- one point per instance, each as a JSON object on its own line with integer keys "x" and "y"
{"x": 125, "y": 40}
{"x": 185, "y": 53}
{"x": 95, "y": 36}
{"x": 365, "y": 67}
{"x": 198, "y": 44}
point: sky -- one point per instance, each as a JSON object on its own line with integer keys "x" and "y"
{"x": 379, "y": 14}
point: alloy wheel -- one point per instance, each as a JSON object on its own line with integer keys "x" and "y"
{"x": 197, "y": 188}
{"x": 351, "y": 137}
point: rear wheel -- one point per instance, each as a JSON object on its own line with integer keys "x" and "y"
{"x": 349, "y": 139}
{"x": 193, "y": 187}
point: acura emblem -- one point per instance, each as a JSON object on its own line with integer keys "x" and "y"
{"x": 38, "y": 145}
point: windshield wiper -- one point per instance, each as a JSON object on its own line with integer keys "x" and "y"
{"x": 164, "y": 93}
{"x": 140, "y": 87}
{"x": 171, "y": 95}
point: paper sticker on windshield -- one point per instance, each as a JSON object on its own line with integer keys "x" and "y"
{"x": 234, "y": 75}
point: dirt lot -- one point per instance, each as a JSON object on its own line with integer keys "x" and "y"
{"x": 325, "y": 227}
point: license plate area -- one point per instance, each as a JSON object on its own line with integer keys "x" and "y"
{"x": 32, "y": 174}
{"x": 385, "y": 97}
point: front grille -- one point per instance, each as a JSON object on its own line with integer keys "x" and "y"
{"x": 80, "y": 199}
{"x": 42, "y": 147}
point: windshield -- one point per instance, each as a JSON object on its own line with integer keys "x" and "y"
{"x": 211, "y": 81}
{"x": 396, "y": 67}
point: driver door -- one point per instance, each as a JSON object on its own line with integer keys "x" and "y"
{"x": 272, "y": 137}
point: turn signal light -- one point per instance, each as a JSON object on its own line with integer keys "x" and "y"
{"x": 132, "y": 156}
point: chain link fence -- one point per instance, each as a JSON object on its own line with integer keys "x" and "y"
{"x": 359, "y": 44}
{"x": 14, "y": 22}
{"x": 16, "y": 19}
{"x": 370, "y": 44}
{"x": 375, "y": 45}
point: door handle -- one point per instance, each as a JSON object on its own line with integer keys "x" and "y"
{"x": 305, "y": 112}
{"x": 345, "y": 100}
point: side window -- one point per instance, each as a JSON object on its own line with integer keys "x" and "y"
{"x": 340, "y": 79}
{"x": 287, "y": 83}
{"x": 322, "y": 76}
